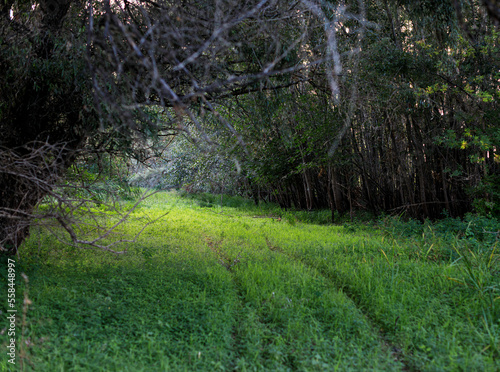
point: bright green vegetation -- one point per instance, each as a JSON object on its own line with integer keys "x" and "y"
{"x": 247, "y": 288}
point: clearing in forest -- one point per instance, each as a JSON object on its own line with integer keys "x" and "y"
{"x": 247, "y": 288}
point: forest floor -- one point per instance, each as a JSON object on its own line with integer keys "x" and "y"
{"x": 249, "y": 288}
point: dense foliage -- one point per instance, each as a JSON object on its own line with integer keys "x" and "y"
{"x": 117, "y": 78}
{"x": 413, "y": 130}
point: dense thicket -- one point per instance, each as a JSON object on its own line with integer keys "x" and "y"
{"x": 414, "y": 129}
{"x": 118, "y": 77}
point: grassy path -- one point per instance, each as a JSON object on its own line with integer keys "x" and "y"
{"x": 385, "y": 342}
{"x": 226, "y": 291}
{"x": 292, "y": 317}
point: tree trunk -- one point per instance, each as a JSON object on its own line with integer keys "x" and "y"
{"x": 25, "y": 179}
{"x": 42, "y": 119}
{"x": 17, "y": 201}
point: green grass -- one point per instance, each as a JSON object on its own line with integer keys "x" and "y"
{"x": 241, "y": 287}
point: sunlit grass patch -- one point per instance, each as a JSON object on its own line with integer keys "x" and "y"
{"x": 239, "y": 288}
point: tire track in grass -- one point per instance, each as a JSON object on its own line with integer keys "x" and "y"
{"x": 259, "y": 341}
{"x": 395, "y": 351}
{"x": 346, "y": 327}
{"x": 244, "y": 318}
{"x": 224, "y": 260}
{"x": 229, "y": 263}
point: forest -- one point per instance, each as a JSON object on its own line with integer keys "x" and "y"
{"x": 411, "y": 127}
{"x": 250, "y": 185}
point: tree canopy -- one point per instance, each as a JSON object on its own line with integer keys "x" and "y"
{"x": 414, "y": 129}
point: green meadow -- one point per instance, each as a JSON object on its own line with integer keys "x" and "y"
{"x": 236, "y": 287}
